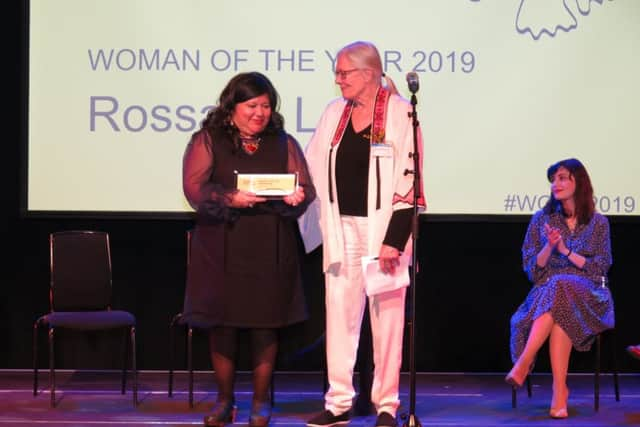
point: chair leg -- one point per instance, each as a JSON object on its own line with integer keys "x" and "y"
{"x": 514, "y": 395}
{"x": 190, "y": 364}
{"x": 171, "y": 353}
{"x": 616, "y": 385}
{"x": 272, "y": 389}
{"x": 134, "y": 367}
{"x": 614, "y": 345}
{"x": 52, "y": 372}
{"x": 125, "y": 353}
{"x": 35, "y": 358}
{"x": 596, "y": 383}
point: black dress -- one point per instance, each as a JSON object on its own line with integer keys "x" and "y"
{"x": 244, "y": 269}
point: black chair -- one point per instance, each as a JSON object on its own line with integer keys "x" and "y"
{"x": 597, "y": 349}
{"x": 189, "y": 325}
{"x": 80, "y": 298}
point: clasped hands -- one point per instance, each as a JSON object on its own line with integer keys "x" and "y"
{"x": 555, "y": 240}
{"x": 245, "y": 199}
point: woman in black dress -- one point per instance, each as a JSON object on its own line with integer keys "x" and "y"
{"x": 244, "y": 269}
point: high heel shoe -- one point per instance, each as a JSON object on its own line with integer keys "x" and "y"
{"x": 511, "y": 380}
{"x": 512, "y": 377}
{"x": 224, "y": 412}
{"x": 560, "y": 411}
{"x": 260, "y": 414}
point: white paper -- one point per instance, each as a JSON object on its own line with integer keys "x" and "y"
{"x": 377, "y": 282}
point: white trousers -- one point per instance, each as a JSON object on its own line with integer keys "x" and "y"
{"x": 345, "y": 303}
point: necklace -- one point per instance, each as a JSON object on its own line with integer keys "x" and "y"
{"x": 250, "y": 144}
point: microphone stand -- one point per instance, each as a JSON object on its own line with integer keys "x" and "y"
{"x": 412, "y": 420}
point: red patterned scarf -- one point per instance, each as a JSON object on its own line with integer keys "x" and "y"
{"x": 377, "y": 124}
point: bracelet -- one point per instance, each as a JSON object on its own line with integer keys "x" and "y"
{"x": 569, "y": 253}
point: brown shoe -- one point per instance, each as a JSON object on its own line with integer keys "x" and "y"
{"x": 260, "y": 414}
{"x": 224, "y": 412}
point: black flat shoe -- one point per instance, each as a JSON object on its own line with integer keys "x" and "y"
{"x": 260, "y": 414}
{"x": 223, "y": 412}
{"x": 385, "y": 419}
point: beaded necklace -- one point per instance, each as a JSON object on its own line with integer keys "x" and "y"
{"x": 250, "y": 144}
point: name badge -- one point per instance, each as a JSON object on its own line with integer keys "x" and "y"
{"x": 382, "y": 150}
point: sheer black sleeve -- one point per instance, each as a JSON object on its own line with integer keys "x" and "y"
{"x": 207, "y": 198}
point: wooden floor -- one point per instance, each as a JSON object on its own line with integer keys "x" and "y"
{"x": 457, "y": 399}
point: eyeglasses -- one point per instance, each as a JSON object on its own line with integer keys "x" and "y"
{"x": 343, "y": 74}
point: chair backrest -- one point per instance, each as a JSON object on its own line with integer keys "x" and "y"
{"x": 189, "y": 236}
{"x": 80, "y": 265}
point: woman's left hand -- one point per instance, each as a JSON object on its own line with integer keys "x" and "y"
{"x": 388, "y": 259}
{"x": 562, "y": 247}
{"x": 296, "y": 198}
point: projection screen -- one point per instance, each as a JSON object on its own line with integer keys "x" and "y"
{"x": 117, "y": 87}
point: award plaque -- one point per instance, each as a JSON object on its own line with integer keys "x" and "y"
{"x": 267, "y": 184}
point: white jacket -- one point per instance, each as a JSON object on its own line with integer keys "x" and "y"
{"x": 322, "y": 218}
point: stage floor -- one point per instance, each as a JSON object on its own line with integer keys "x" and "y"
{"x": 89, "y": 398}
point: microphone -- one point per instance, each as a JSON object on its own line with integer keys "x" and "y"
{"x": 412, "y": 80}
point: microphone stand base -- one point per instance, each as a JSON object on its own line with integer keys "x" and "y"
{"x": 412, "y": 421}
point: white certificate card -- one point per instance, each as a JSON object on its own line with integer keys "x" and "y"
{"x": 268, "y": 184}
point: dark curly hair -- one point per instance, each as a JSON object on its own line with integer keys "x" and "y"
{"x": 583, "y": 196}
{"x": 241, "y": 88}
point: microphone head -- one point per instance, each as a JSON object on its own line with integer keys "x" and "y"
{"x": 413, "y": 81}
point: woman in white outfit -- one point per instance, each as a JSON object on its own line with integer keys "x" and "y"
{"x": 357, "y": 157}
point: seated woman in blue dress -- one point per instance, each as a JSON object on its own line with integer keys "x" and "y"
{"x": 566, "y": 255}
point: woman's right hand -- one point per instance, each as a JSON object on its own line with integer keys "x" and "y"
{"x": 553, "y": 236}
{"x": 245, "y": 199}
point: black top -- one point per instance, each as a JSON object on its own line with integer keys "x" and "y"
{"x": 352, "y": 171}
{"x": 352, "y": 174}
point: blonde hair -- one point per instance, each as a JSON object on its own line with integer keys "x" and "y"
{"x": 365, "y": 55}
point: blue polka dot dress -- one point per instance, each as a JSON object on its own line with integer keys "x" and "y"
{"x": 576, "y": 297}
